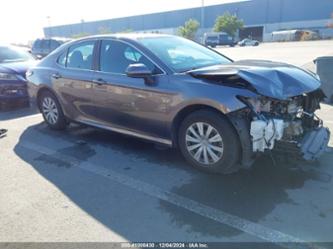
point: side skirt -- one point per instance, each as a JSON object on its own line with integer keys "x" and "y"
{"x": 157, "y": 140}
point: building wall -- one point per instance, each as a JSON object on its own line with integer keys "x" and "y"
{"x": 271, "y": 14}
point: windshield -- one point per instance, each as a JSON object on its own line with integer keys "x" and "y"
{"x": 11, "y": 54}
{"x": 181, "y": 54}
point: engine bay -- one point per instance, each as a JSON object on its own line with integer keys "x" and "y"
{"x": 288, "y": 121}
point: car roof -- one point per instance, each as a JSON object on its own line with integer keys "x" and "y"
{"x": 131, "y": 36}
{"x": 63, "y": 39}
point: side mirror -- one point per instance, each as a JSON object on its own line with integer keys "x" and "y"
{"x": 138, "y": 71}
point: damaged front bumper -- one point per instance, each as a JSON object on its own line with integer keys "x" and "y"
{"x": 309, "y": 146}
{"x": 315, "y": 143}
{"x": 289, "y": 126}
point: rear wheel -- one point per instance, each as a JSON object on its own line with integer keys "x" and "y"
{"x": 209, "y": 142}
{"x": 52, "y": 112}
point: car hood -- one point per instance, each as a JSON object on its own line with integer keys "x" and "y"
{"x": 16, "y": 67}
{"x": 271, "y": 79}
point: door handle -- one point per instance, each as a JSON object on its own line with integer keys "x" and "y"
{"x": 99, "y": 81}
{"x": 56, "y": 76}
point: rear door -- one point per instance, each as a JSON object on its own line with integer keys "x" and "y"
{"x": 73, "y": 80}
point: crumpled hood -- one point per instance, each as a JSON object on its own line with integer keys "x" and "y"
{"x": 16, "y": 67}
{"x": 271, "y": 79}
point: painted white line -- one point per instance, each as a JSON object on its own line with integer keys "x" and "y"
{"x": 26, "y": 117}
{"x": 238, "y": 223}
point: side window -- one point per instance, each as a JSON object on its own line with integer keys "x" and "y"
{"x": 62, "y": 59}
{"x": 132, "y": 55}
{"x": 117, "y": 56}
{"x": 80, "y": 56}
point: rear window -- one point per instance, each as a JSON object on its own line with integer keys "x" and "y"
{"x": 41, "y": 44}
{"x": 37, "y": 44}
{"x": 54, "y": 44}
{"x": 214, "y": 37}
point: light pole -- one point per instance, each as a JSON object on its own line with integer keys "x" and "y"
{"x": 202, "y": 14}
{"x": 49, "y": 26}
{"x": 202, "y": 20}
{"x": 82, "y": 26}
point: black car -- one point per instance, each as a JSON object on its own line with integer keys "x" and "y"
{"x": 42, "y": 47}
{"x": 218, "y": 39}
{"x": 14, "y": 62}
{"x": 221, "y": 114}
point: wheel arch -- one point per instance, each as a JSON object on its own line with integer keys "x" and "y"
{"x": 187, "y": 110}
{"x": 41, "y": 90}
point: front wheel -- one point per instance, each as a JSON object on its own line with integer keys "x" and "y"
{"x": 209, "y": 142}
{"x": 52, "y": 112}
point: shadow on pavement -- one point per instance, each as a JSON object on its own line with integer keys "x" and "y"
{"x": 250, "y": 194}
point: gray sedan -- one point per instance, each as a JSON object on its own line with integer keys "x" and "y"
{"x": 221, "y": 114}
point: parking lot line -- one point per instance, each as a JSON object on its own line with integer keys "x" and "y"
{"x": 28, "y": 117}
{"x": 219, "y": 216}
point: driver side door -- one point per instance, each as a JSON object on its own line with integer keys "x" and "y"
{"x": 124, "y": 102}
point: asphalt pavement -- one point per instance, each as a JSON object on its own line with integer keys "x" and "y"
{"x": 85, "y": 184}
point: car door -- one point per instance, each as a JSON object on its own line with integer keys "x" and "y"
{"x": 125, "y": 102}
{"x": 73, "y": 80}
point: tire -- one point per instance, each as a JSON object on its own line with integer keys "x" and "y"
{"x": 52, "y": 111}
{"x": 225, "y": 140}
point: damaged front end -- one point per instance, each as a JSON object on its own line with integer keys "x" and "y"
{"x": 281, "y": 114}
{"x": 289, "y": 126}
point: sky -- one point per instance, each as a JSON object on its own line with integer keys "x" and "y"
{"x": 23, "y": 20}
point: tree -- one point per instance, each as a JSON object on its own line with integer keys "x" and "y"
{"x": 129, "y": 30}
{"x": 228, "y": 23}
{"x": 189, "y": 29}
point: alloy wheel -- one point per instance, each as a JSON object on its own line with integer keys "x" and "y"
{"x": 50, "y": 110}
{"x": 204, "y": 143}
